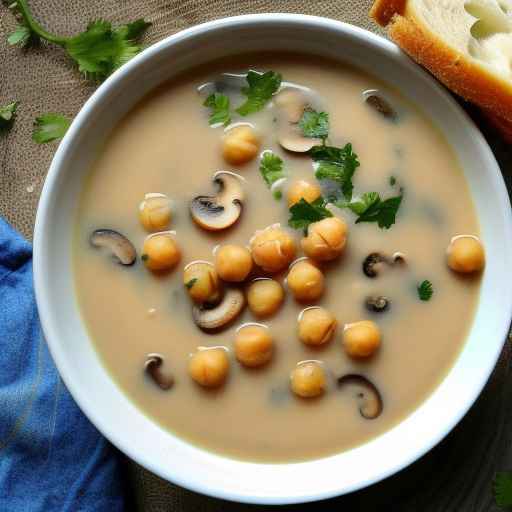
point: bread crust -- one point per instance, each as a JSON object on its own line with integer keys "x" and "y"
{"x": 467, "y": 78}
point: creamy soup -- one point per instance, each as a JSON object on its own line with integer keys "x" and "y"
{"x": 257, "y": 399}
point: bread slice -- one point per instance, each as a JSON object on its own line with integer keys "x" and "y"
{"x": 466, "y": 45}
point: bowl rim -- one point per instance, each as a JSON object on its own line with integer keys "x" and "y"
{"x": 43, "y": 296}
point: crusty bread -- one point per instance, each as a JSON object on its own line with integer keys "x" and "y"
{"x": 466, "y": 45}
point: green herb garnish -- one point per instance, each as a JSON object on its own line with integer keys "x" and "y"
{"x": 359, "y": 207}
{"x": 503, "y": 489}
{"x": 144, "y": 257}
{"x": 336, "y": 164}
{"x": 191, "y": 283}
{"x": 304, "y": 213}
{"x": 271, "y": 168}
{"x": 371, "y": 208}
{"x": 7, "y": 114}
{"x": 219, "y": 105}
{"x": 50, "y": 127}
{"x": 392, "y": 181}
{"x": 98, "y": 51}
{"x": 314, "y": 124}
{"x": 425, "y": 290}
{"x": 261, "y": 87}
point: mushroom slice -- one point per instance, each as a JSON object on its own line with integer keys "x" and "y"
{"x": 119, "y": 246}
{"x": 377, "y": 303}
{"x": 368, "y": 396}
{"x": 221, "y": 211}
{"x": 153, "y": 367}
{"x": 375, "y": 100}
{"x": 371, "y": 262}
{"x": 291, "y": 103}
{"x": 210, "y": 319}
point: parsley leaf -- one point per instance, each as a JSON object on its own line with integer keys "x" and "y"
{"x": 314, "y": 124}
{"x": 261, "y": 88}
{"x": 382, "y": 212}
{"x": 50, "y": 127}
{"x": 304, "y": 213}
{"x": 191, "y": 283}
{"x": 7, "y": 114}
{"x": 425, "y": 290}
{"x": 367, "y": 200}
{"x": 336, "y": 164}
{"x": 219, "y": 105}
{"x": 98, "y": 51}
{"x": 392, "y": 181}
{"x": 271, "y": 168}
{"x": 503, "y": 489}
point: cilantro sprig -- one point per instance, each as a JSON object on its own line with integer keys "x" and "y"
{"x": 49, "y": 127}
{"x": 314, "y": 124}
{"x": 503, "y": 489}
{"x": 219, "y": 105}
{"x": 7, "y": 115}
{"x": 98, "y": 51}
{"x": 260, "y": 89}
{"x": 336, "y": 164}
{"x": 271, "y": 169}
{"x": 425, "y": 290}
{"x": 302, "y": 213}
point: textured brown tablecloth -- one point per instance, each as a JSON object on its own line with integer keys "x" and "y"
{"x": 454, "y": 477}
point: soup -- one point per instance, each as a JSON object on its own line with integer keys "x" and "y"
{"x": 301, "y": 301}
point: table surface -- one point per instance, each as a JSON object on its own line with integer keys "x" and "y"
{"x": 456, "y": 475}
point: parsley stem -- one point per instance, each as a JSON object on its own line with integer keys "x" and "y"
{"x": 35, "y": 27}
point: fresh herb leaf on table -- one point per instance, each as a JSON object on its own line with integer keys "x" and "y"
{"x": 425, "y": 290}
{"x": 219, "y": 105}
{"x": 261, "y": 87}
{"x": 271, "y": 169}
{"x": 336, "y": 164}
{"x": 302, "y": 214}
{"x": 49, "y": 127}
{"x": 98, "y": 51}
{"x": 7, "y": 114}
{"x": 503, "y": 489}
{"x": 314, "y": 124}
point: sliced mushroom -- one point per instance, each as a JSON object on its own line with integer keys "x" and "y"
{"x": 371, "y": 262}
{"x": 119, "y": 246}
{"x": 380, "y": 104}
{"x": 224, "y": 83}
{"x": 220, "y": 211}
{"x": 377, "y": 303}
{"x": 291, "y": 103}
{"x": 210, "y": 319}
{"x": 153, "y": 367}
{"x": 368, "y": 396}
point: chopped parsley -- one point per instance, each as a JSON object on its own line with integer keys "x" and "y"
{"x": 98, "y": 51}
{"x": 191, "y": 283}
{"x": 219, "y": 105}
{"x": 392, "y": 181}
{"x": 314, "y": 124}
{"x": 425, "y": 290}
{"x": 50, "y": 127}
{"x": 503, "y": 489}
{"x": 367, "y": 200}
{"x": 261, "y": 87}
{"x": 271, "y": 169}
{"x": 7, "y": 114}
{"x": 302, "y": 214}
{"x": 337, "y": 165}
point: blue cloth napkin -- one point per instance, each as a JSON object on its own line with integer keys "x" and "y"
{"x": 51, "y": 456}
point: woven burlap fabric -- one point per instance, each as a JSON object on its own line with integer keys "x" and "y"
{"x": 43, "y": 80}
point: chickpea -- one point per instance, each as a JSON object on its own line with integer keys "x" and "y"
{"x": 305, "y": 281}
{"x": 308, "y": 379}
{"x": 303, "y": 189}
{"x": 316, "y": 326}
{"x": 326, "y": 239}
{"x": 265, "y": 297}
{"x": 233, "y": 263}
{"x": 466, "y": 254}
{"x": 253, "y": 345}
{"x": 209, "y": 367}
{"x": 155, "y": 212}
{"x": 273, "y": 249}
{"x": 241, "y": 144}
{"x": 160, "y": 252}
{"x": 202, "y": 282}
{"x": 361, "y": 339}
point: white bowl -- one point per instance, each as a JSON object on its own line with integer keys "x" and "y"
{"x": 101, "y": 399}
